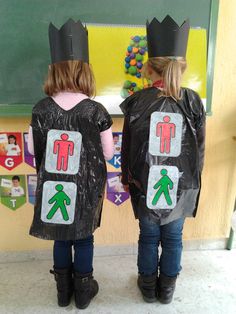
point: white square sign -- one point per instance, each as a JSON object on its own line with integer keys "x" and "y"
{"x": 165, "y": 134}
{"x": 63, "y": 151}
{"x": 162, "y": 187}
{"x": 58, "y": 202}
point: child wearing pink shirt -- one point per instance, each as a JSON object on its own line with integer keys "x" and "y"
{"x": 70, "y": 136}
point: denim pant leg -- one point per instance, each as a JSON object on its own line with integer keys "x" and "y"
{"x": 83, "y": 258}
{"x": 149, "y": 238}
{"x": 62, "y": 254}
{"x": 171, "y": 243}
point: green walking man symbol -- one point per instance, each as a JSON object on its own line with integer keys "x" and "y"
{"x": 60, "y": 200}
{"x": 164, "y": 184}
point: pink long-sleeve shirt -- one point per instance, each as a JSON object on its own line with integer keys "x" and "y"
{"x": 67, "y": 100}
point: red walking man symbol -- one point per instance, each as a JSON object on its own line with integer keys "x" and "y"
{"x": 63, "y": 148}
{"x": 165, "y": 130}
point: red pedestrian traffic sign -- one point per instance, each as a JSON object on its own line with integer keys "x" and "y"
{"x": 165, "y": 134}
{"x": 63, "y": 152}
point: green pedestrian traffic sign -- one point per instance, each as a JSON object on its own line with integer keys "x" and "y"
{"x": 162, "y": 187}
{"x": 58, "y": 202}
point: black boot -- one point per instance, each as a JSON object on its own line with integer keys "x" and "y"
{"x": 85, "y": 289}
{"x": 147, "y": 286}
{"x": 165, "y": 288}
{"x": 65, "y": 287}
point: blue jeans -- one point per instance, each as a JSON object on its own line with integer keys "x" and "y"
{"x": 169, "y": 236}
{"x": 83, "y": 255}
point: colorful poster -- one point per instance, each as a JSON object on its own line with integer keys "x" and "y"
{"x": 116, "y": 160}
{"x": 32, "y": 184}
{"x": 120, "y": 76}
{"x": 13, "y": 191}
{"x": 29, "y": 159}
{"x": 115, "y": 190}
{"x": 10, "y": 149}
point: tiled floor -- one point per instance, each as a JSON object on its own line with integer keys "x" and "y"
{"x": 207, "y": 285}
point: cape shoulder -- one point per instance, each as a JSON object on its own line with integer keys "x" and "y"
{"x": 194, "y": 101}
{"x": 131, "y": 103}
{"x": 42, "y": 105}
{"x": 45, "y": 112}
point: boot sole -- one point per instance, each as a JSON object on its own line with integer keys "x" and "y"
{"x": 63, "y": 304}
{"x": 164, "y": 301}
{"x": 82, "y": 307}
{"x": 146, "y": 299}
{"x": 149, "y": 300}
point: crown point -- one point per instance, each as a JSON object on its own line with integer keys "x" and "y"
{"x": 70, "y": 42}
{"x": 169, "y": 22}
{"x": 167, "y": 38}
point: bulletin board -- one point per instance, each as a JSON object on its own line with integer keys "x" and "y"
{"x": 24, "y": 48}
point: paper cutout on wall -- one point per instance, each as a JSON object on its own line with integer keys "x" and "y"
{"x": 63, "y": 151}
{"x": 116, "y": 160}
{"x": 29, "y": 159}
{"x": 165, "y": 134}
{"x": 13, "y": 191}
{"x": 162, "y": 187}
{"x": 58, "y": 203}
{"x": 32, "y": 184}
{"x": 10, "y": 149}
{"x": 115, "y": 190}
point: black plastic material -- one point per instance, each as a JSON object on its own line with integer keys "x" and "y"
{"x": 136, "y": 160}
{"x": 167, "y": 38}
{"x": 89, "y": 118}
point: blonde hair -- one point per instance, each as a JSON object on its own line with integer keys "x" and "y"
{"x": 74, "y": 76}
{"x": 171, "y": 71}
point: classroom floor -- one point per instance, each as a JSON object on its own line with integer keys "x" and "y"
{"x": 207, "y": 285}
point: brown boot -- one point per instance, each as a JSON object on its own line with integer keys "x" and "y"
{"x": 147, "y": 286}
{"x": 65, "y": 287}
{"x": 85, "y": 289}
{"x": 165, "y": 288}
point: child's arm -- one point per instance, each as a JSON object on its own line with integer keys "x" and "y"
{"x": 107, "y": 143}
{"x": 30, "y": 141}
{"x": 104, "y": 123}
{"x": 125, "y": 152}
{"x": 18, "y": 150}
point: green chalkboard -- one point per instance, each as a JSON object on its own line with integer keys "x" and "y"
{"x": 24, "y": 49}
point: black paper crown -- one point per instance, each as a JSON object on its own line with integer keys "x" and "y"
{"x": 70, "y": 42}
{"x": 167, "y": 39}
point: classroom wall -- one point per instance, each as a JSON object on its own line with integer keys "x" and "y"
{"x": 219, "y": 176}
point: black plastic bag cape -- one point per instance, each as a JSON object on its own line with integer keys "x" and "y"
{"x": 71, "y": 169}
{"x": 162, "y": 153}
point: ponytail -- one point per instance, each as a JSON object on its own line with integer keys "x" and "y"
{"x": 171, "y": 71}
